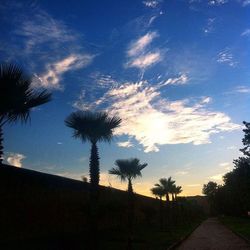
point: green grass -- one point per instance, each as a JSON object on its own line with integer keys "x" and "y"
{"x": 147, "y": 238}
{"x": 237, "y": 224}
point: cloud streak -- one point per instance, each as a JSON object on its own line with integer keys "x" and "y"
{"x": 154, "y": 121}
{"x": 51, "y": 78}
{"x": 139, "y": 55}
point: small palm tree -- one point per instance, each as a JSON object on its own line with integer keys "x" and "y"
{"x": 159, "y": 192}
{"x": 93, "y": 127}
{"x": 129, "y": 169}
{"x": 17, "y": 97}
{"x": 178, "y": 190}
{"x": 167, "y": 186}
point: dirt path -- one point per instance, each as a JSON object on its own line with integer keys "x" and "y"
{"x": 212, "y": 235}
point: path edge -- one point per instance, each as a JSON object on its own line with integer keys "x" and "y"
{"x": 234, "y": 232}
{"x": 177, "y": 243}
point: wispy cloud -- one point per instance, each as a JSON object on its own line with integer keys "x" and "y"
{"x": 245, "y": 3}
{"x": 217, "y": 177}
{"x": 140, "y": 56}
{"x": 15, "y": 159}
{"x": 246, "y": 32}
{"x": 224, "y": 164}
{"x": 125, "y": 144}
{"x": 181, "y": 172}
{"x": 51, "y": 78}
{"x": 209, "y": 28}
{"x": 193, "y": 185}
{"x": 182, "y": 79}
{"x": 48, "y": 46}
{"x": 144, "y": 61}
{"x": 151, "y": 3}
{"x": 242, "y": 89}
{"x": 226, "y": 57}
{"x": 217, "y": 2}
{"x": 154, "y": 121}
{"x": 139, "y": 45}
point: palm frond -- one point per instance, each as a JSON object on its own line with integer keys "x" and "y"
{"x": 18, "y": 96}
{"x": 92, "y": 127}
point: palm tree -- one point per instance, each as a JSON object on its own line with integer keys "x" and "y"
{"x": 178, "y": 190}
{"x": 17, "y": 97}
{"x": 166, "y": 185}
{"x": 159, "y": 192}
{"x": 93, "y": 127}
{"x": 129, "y": 169}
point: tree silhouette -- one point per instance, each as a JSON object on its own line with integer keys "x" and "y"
{"x": 17, "y": 97}
{"x": 93, "y": 127}
{"x": 159, "y": 192}
{"x": 178, "y": 190}
{"x": 166, "y": 185}
{"x": 246, "y": 140}
{"x": 128, "y": 169}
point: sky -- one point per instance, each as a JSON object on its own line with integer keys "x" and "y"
{"x": 175, "y": 71}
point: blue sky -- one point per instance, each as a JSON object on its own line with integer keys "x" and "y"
{"x": 176, "y": 72}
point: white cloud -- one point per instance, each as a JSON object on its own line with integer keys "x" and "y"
{"x": 246, "y": 32}
{"x": 51, "y": 79}
{"x": 154, "y": 121}
{"x": 193, "y": 185}
{"x": 138, "y": 54}
{"x": 224, "y": 164}
{"x": 151, "y": 3}
{"x": 139, "y": 45}
{"x": 245, "y": 3}
{"x": 125, "y": 144}
{"x": 182, "y": 173}
{"x": 209, "y": 26}
{"x": 41, "y": 29}
{"x": 145, "y": 61}
{"x": 15, "y": 159}
{"x": 217, "y": 177}
{"x": 231, "y": 147}
{"x": 217, "y": 2}
{"x": 226, "y": 57}
{"x": 182, "y": 79}
{"x": 242, "y": 89}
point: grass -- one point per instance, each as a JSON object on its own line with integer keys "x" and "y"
{"x": 240, "y": 225}
{"x": 148, "y": 238}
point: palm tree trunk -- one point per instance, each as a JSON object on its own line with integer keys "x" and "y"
{"x": 130, "y": 213}
{"x": 94, "y": 168}
{"x": 1, "y": 144}
{"x": 167, "y": 197}
{"x": 173, "y": 197}
{"x": 161, "y": 217}
{"x": 94, "y": 172}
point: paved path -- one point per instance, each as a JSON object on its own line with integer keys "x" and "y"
{"x": 212, "y": 235}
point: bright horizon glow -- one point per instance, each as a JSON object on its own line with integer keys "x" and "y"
{"x": 176, "y": 72}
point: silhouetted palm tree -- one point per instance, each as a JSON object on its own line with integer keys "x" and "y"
{"x": 167, "y": 185}
{"x": 129, "y": 169}
{"x": 17, "y": 97}
{"x": 159, "y": 192}
{"x": 178, "y": 190}
{"x": 93, "y": 127}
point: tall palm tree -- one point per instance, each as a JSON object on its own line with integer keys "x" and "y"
{"x": 128, "y": 169}
{"x": 17, "y": 97}
{"x": 93, "y": 127}
{"x": 167, "y": 185}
